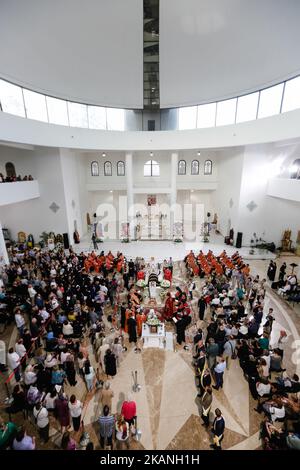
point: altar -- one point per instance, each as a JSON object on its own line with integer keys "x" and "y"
{"x": 156, "y": 337}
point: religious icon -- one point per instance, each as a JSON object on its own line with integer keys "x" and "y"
{"x": 151, "y": 199}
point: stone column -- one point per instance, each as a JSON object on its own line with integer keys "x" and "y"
{"x": 173, "y": 194}
{"x": 130, "y": 197}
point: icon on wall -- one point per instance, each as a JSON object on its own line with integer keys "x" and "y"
{"x": 151, "y": 199}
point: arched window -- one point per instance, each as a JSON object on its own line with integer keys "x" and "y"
{"x": 10, "y": 170}
{"x": 195, "y": 167}
{"x": 182, "y": 167}
{"x": 151, "y": 168}
{"x": 121, "y": 169}
{"x": 208, "y": 167}
{"x": 94, "y": 169}
{"x": 107, "y": 169}
{"x": 295, "y": 169}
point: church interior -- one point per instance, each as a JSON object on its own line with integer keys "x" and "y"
{"x": 149, "y": 225}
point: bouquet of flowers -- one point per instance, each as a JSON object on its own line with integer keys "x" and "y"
{"x": 165, "y": 284}
{"x": 152, "y": 319}
{"x": 141, "y": 283}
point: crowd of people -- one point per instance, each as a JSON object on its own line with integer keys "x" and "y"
{"x": 64, "y": 335}
{"x": 13, "y": 179}
{"x": 232, "y": 303}
{"x": 74, "y": 311}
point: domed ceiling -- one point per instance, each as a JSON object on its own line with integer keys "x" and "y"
{"x": 92, "y": 51}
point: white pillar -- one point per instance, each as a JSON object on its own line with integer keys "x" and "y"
{"x": 173, "y": 194}
{"x": 130, "y": 198}
{"x": 3, "y": 251}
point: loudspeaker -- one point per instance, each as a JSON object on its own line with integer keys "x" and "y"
{"x": 66, "y": 241}
{"x": 239, "y": 238}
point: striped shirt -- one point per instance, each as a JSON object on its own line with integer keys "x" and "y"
{"x": 107, "y": 425}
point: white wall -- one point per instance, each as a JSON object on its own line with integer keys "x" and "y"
{"x": 271, "y": 216}
{"x": 10, "y": 193}
{"x": 27, "y": 131}
{"x": 35, "y": 216}
{"x": 69, "y": 169}
{"x": 226, "y": 198}
{"x": 102, "y": 182}
{"x": 284, "y": 188}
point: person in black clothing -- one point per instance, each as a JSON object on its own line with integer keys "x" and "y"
{"x": 240, "y": 309}
{"x": 110, "y": 363}
{"x": 282, "y": 271}
{"x": 71, "y": 373}
{"x": 19, "y": 403}
{"x": 198, "y": 336}
{"x": 126, "y": 280}
{"x": 201, "y": 308}
{"x": 131, "y": 268}
{"x": 123, "y": 315}
{"x": 94, "y": 240}
{"x": 218, "y": 430}
{"x": 272, "y": 271}
{"x": 131, "y": 323}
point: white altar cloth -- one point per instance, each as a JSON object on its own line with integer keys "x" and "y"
{"x": 153, "y": 340}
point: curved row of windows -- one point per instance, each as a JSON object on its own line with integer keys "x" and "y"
{"x": 266, "y": 102}
{"x": 195, "y": 167}
{"x": 108, "y": 168}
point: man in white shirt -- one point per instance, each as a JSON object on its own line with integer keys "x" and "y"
{"x": 20, "y": 321}
{"x": 13, "y": 362}
{"x": 41, "y": 415}
{"x": 21, "y": 351}
{"x": 282, "y": 340}
{"x": 44, "y": 314}
{"x": 30, "y": 376}
{"x": 219, "y": 372}
{"x": 32, "y": 293}
{"x": 67, "y": 329}
{"x": 215, "y": 300}
{"x": 275, "y": 409}
{"x": 263, "y": 388}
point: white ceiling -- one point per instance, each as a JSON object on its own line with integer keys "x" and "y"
{"x": 89, "y": 51}
{"x": 216, "y": 49}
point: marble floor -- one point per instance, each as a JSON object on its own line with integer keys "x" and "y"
{"x": 167, "y": 407}
{"x": 164, "y": 248}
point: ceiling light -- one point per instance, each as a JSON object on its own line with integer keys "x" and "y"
{"x": 111, "y": 191}
{"x": 198, "y": 153}
{"x": 151, "y": 154}
{"x": 103, "y": 154}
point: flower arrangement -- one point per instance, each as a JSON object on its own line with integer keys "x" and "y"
{"x": 141, "y": 283}
{"x": 153, "y": 321}
{"x": 165, "y": 284}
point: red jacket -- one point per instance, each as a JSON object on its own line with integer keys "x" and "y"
{"x": 128, "y": 410}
